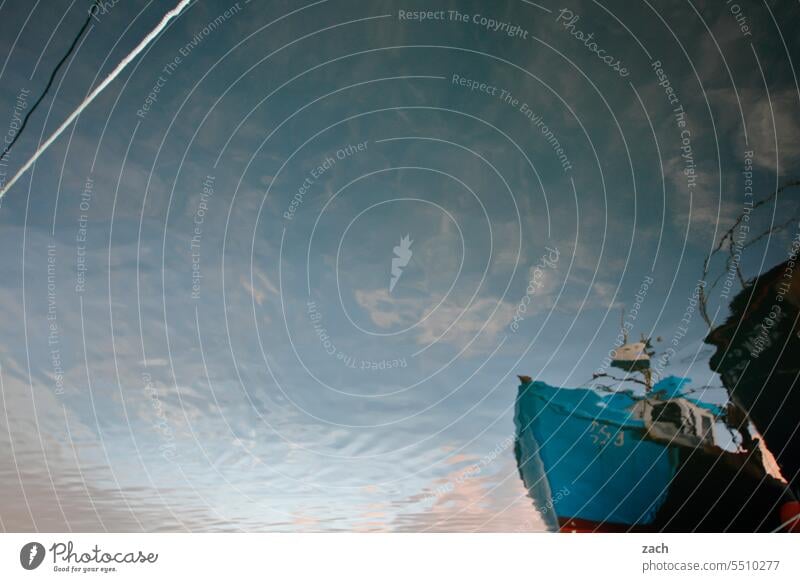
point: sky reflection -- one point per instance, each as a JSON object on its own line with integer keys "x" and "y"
{"x": 199, "y": 331}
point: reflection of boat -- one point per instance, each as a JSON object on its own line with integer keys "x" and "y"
{"x": 758, "y": 358}
{"x": 619, "y": 460}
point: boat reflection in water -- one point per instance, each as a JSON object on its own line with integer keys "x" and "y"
{"x": 600, "y": 459}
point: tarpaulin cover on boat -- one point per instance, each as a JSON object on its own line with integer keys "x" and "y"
{"x": 591, "y": 450}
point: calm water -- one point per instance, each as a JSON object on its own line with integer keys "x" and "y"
{"x": 281, "y": 275}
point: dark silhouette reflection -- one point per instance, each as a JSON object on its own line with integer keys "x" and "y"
{"x": 758, "y": 358}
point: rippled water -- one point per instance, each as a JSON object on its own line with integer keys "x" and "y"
{"x": 211, "y": 319}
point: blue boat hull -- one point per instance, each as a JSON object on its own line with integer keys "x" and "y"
{"x": 583, "y": 457}
{"x": 587, "y": 466}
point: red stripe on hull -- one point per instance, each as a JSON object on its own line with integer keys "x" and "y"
{"x": 573, "y": 525}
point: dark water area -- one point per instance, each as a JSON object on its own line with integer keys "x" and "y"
{"x": 283, "y": 272}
